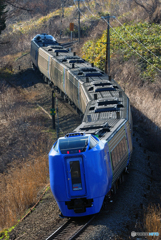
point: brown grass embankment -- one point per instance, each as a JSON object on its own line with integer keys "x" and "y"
{"x": 20, "y": 187}
{"x": 24, "y": 143}
{"x": 152, "y": 221}
{"x": 24, "y": 128}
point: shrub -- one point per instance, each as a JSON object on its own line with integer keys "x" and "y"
{"x": 147, "y": 34}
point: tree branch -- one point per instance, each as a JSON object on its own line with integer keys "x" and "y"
{"x": 5, "y": 42}
{"x": 141, "y": 5}
{"x": 19, "y": 7}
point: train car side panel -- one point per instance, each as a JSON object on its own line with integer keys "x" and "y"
{"x": 34, "y": 53}
{"x": 56, "y": 74}
{"x": 129, "y": 141}
{"x": 119, "y": 153}
{"x": 44, "y": 62}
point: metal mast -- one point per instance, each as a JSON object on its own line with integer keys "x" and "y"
{"x": 107, "y": 62}
{"x": 78, "y": 18}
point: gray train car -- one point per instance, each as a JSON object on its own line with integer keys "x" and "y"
{"x": 40, "y": 40}
{"x": 105, "y": 106}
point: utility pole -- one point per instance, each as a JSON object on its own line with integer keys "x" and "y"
{"x": 62, "y": 15}
{"x": 79, "y": 19}
{"x": 52, "y": 110}
{"x": 78, "y": 22}
{"x": 57, "y": 129}
{"x": 107, "y": 70}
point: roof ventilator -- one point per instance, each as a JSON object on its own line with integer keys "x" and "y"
{"x": 115, "y": 86}
{"x": 90, "y": 89}
{"x": 102, "y": 102}
{"x": 104, "y": 126}
{"x": 120, "y": 94}
{"x": 91, "y": 108}
{"x": 87, "y": 79}
{"x": 113, "y": 108}
{"x": 76, "y": 61}
{"x": 95, "y": 96}
{"x": 103, "y": 89}
{"x": 101, "y": 84}
{"x": 55, "y": 47}
{"x": 80, "y": 73}
{"x": 61, "y": 50}
{"x": 118, "y": 115}
{"x": 92, "y": 74}
{"x": 88, "y": 70}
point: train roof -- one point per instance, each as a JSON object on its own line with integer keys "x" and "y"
{"x": 107, "y": 107}
{"x": 44, "y": 40}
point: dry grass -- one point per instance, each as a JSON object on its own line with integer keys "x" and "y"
{"x": 143, "y": 95}
{"x": 22, "y": 126}
{"x": 19, "y": 188}
{"x": 24, "y": 145}
{"x": 153, "y": 220}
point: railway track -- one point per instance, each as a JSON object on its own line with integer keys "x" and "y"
{"x": 69, "y": 44}
{"x": 71, "y": 229}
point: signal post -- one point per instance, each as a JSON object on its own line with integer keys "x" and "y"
{"x": 79, "y": 18}
{"x": 71, "y": 27}
{"x": 52, "y": 110}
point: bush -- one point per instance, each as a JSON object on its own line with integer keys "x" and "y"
{"x": 147, "y": 34}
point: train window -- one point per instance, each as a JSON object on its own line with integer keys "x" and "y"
{"x": 56, "y": 146}
{"x": 75, "y": 175}
{"x": 93, "y": 143}
{"x": 73, "y": 145}
{"x": 118, "y": 152}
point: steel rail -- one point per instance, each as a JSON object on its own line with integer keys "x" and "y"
{"x": 68, "y": 44}
{"x": 55, "y": 233}
{"x": 81, "y": 229}
{"x": 78, "y": 225}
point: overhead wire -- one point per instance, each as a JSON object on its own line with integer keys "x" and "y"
{"x": 80, "y": 11}
{"x": 133, "y": 48}
{"x": 125, "y": 41}
{"x": 94, "y": 16}
{"x": 137, "y": 39}
{"x": 89, "y": 9}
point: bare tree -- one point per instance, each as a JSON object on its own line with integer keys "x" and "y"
{"x": 2, "y": 16}
{"x": 152, "y": 8}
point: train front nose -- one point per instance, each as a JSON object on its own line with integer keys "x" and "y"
{"x": 77, "y": 190}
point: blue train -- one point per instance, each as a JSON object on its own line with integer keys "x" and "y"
{"x": 79, "y": 165}
{"x": 85, "y": 166}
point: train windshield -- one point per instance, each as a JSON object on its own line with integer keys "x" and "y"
{"x": 75, "y": 175}
{"x": 73, "y": 145}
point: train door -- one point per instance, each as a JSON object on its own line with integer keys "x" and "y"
{"x": 75, "y": 175}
